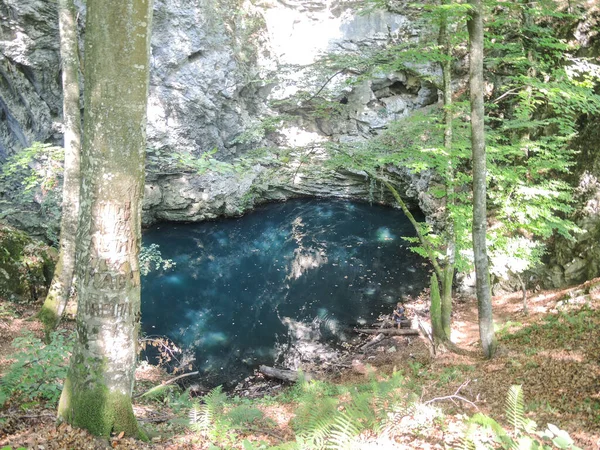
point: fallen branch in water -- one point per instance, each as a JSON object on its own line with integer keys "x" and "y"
{"x": 389, "y": 331}
{"x": 284, "y": 374}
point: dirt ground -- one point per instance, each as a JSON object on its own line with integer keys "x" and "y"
{"x": 553, "y": 352}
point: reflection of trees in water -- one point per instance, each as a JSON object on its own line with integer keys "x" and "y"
{"x": 304, "y": 343}
{"x": 306, "y": 257}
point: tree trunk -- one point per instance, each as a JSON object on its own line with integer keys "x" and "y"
{"x": 97, "y": 391}
{"x": 484, "y": 297}
{"x": 435, "y": 312}
{"x": 60, "y": 288}
{"x": 448, "y": 271}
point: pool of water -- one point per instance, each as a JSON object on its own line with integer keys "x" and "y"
{"x": 277, "y": 286}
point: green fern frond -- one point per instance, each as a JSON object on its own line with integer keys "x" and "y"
{"x": 203, "y": 417}
{"x": 362, "y": 411}
{"x": 200, "y": 419}
{"x": 488, "y": 422}
{"x": 316, "y": 436}
{"x": 216, "y": 398}
{"x": 515, "y": 411}
{"x": 314, "y": 419}
{"x": 467, "y": 443}
{"x": 343, "y": 432}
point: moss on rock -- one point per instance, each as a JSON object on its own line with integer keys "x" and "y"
{"x": 26, "y": 265}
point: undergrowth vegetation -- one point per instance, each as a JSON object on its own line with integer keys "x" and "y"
{"x": 329, "y": 416}
{"x": 36, "y": 375}
{"x": 410, "y": 406}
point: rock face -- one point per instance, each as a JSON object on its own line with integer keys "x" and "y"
{"x": 213, "y": 66}
{"x": 219, "y": 67}
{"x": 30, "y": 92}
{"x": 576, "y": 261}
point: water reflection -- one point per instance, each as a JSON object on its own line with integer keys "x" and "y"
{"x": 277, "y": 284}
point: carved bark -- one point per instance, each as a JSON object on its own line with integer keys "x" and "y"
{"x": 484, "y": 295}
{"x": 60, "y": 288}
{"x": 97, "y": 391}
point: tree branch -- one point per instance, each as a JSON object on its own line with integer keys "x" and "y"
{"x": 164, "y": 383}
{"x": 454, "y": 397}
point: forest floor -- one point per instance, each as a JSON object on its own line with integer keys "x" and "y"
{"x": 553, "y": 352}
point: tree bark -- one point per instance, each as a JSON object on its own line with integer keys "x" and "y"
{"x": 435, "y": 312}
{"x": 476, "y": 86}
{"x": 98, "y": 388}
{"x": 449, "y": 262}
{"x": 60, "y": 288}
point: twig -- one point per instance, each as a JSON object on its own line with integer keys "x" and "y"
{"x": 27, "y": 416}
{"x": 155, "y": 419}
{"x": 164, "y": 383}
{"x": 326, "y": 83}
{"x": 262, "y": 431}
{"x": 509, "y": 92}
{"x": 388, "y": 331}
{"x": 454, "y": 396}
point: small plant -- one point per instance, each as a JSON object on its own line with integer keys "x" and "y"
{"x": 38, "y": 370}
{"x": 485, "y": 433}
{"x": 151, "y": 259}
{"x": 207, "y": 418}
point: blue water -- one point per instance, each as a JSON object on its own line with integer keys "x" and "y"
{"x": 245, "y": 290}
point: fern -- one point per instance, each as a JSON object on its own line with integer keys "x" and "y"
{"x": 243, "y": 416}
{"x": 316, "y": 436}
{"x": 314, "y": 420}
{"x": 344, "y": 432}
{"x": 203, "y": 418}
{"x": 524, "y": 435}
{"x": 466, "y": 443}
{"x": 514, "y": 408}
{"x": 499, "y": 433}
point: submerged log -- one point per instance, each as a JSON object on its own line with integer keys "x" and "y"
{"x": 283, "y": 374}
{"x": 389, "y": 331}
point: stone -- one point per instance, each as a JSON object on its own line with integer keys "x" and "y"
{"x": 26, "y": 266}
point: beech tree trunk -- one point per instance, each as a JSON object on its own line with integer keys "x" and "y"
{"x": 97, "y": 391}
{"x": 60, "y": 288}
{"x": 450, "y": 259}
{"x": 435, "y": 312}
{"x": 484, "y": 296}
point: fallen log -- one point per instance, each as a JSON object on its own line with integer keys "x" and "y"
{"x": 389, "y": 331}
{"x": 283, "y": 374}
{"x": 380, "y": 337}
